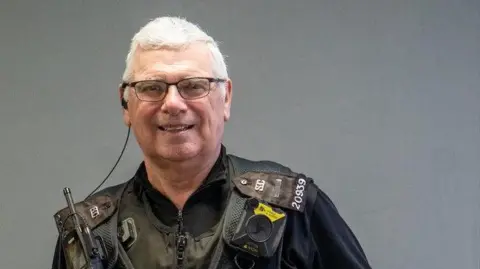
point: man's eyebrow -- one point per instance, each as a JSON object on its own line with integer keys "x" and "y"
{"x": 178, "y": 77}
{"x": 154, "y": 78}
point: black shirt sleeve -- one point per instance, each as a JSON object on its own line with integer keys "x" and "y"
{"x": 319, "y": 238}
{"x": 334, "y": 244}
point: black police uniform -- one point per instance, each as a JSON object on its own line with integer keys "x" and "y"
{"x": 161, "y": 236}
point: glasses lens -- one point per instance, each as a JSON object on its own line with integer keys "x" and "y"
{"x": 151, "y": 90}
{"x": 193, "y": 88}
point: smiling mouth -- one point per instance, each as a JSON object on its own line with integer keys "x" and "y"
{"x": 175, "y": 128}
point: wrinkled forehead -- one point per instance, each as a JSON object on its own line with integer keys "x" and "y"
{"x": 172, "y": 63}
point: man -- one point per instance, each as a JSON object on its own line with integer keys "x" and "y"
{"x": 190, "y": 204}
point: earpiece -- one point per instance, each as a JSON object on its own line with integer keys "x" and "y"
{"x": 122, "y": 87}
{"x": 124, "y": 104}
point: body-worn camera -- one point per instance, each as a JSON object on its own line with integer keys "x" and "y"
{"x": 260, "y": 229}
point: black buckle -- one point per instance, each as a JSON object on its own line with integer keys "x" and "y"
{"x": 243, "y": 261}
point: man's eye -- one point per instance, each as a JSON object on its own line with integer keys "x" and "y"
{"x": 198, "y": 86}
{"x": 154, "y": 89}
{"x": 151, "y": 88}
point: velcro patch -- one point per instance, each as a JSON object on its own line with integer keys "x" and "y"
{"x": 92, "y": 211}
{"x": 277, "y": 189}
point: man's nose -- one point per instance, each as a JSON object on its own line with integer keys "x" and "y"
{"x": 173, "y": 103}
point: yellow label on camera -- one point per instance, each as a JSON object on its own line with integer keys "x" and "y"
{"x": 251, "y": 247}
{"x": 263, "y": 209}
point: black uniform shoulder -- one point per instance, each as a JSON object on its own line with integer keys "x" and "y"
{"x": 242, "y": 165}
{"x": 94, "y": 210}
{"x": 272, "y": 182}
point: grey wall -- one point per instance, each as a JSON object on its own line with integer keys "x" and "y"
{"x": 378, "y": 100}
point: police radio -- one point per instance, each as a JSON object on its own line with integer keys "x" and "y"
{"x": 80, "y": 248}
{"x": 260, "y": 229}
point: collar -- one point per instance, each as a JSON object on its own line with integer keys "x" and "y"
{"x": 206, "y": 203}
{"x": 217, "y": 174}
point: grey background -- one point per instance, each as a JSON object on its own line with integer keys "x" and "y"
{"x": 379, "y": 101}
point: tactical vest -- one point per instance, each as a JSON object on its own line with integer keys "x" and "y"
{"x": 264, "y": 195}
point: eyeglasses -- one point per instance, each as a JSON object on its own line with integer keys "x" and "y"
{"x": 188, "y": 88}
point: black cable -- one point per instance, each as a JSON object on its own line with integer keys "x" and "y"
{"x": 60, "y": 238}
{"x": 59, "y": 242}
{"x": 113, "y": 168}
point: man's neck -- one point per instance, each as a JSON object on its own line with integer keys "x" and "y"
{"x": 177, "y": 181}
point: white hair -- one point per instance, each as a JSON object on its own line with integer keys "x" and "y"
{"x": 173, "y": 33}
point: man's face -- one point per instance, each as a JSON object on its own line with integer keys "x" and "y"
{"x": 156, "y": 125}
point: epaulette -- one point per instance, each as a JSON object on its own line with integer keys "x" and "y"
{"x": 93, "y": 211}
{"x": 283, "y": 190}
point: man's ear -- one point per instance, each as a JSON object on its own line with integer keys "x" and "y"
{"x": 227, "y": 100}
{"x": 126, "y": 118}
{"x": 124, "y": 103}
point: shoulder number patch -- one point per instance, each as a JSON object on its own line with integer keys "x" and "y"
{"x": 93, "y": 211}
{"x": 278, "y": 189}
{"x": 298, "y": 196}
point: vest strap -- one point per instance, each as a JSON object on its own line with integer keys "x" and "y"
{"x": 226, "y": 255}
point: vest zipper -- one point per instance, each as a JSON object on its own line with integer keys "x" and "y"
{"x": 181, "y": 241}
